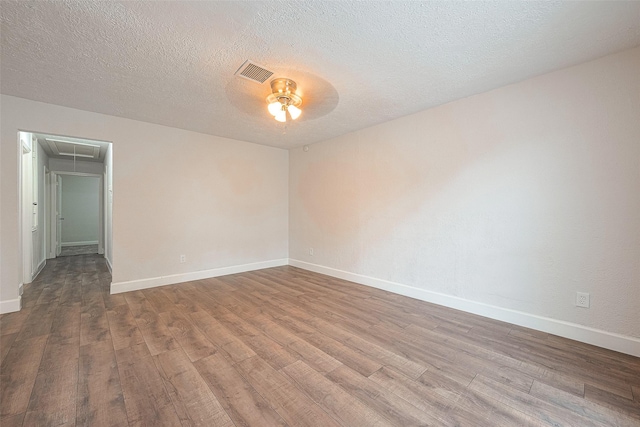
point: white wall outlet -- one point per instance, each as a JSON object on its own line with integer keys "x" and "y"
{"x": 582, "y": 299}
{"x": 183, "y": 259}
{"x": 311, "y": 251}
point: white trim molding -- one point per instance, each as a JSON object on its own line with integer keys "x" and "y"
{"x": 612, "y": 341}
{"x": 11, "y": 305}
{"x": 109, "y": 266}
{"x": 39, "y": 270}
{"x": 87, "y": 243}
{"x": 134, "y": 285}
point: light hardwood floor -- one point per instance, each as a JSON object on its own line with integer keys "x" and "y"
{"x": 284, "y": 346}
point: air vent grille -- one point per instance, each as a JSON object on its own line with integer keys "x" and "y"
{"x": 254, "y": 72}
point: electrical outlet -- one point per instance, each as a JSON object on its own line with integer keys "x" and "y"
{"x": 183, "y": 259}
{"x": 582, "y": 299}
{"x": 311, "y": 251}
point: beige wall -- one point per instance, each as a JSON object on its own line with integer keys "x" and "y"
{"x": 220, "y": 202}
{"x": 515, "y": 198}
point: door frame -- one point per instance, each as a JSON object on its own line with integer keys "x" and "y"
{"x": 101, "y": 217}
{"x": 46, "y": 224}
{"x": 55, "y": 223}
{"x": 25, "y": 241}
{"x": 25, "y": 205}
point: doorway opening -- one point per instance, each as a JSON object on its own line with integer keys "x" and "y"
{"x": 78, "y": 223}
{"x": 66, "y": 199}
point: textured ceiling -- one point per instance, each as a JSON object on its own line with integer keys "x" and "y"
{"x": 356, "y": 63}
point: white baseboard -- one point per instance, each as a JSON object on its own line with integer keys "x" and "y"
{"x": 87, "y": 243}
{"x": 597, "y": 337}
{"x": 109, "y": 266}
{"x": 152, "y": 282}
{"x": 38, "y": 270}
{"x": 11, "y": 305}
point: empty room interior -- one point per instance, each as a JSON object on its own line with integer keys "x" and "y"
{"x": 319, "y": 213}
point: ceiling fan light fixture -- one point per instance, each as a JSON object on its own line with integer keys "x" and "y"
{"x": 281, "y": 116}
{"x": 294, "y": 111}
{"x": 275, "y": 107}
{"x": 283, "y": 99}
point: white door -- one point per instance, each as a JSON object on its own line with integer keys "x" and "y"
{"x": 27, "y": 207}
{"x": 52, "y": 215}
{"x": 46, "y": 232}
{"x": 59, "y": 217}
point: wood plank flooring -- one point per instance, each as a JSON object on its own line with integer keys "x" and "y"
{"x": 79, "y": 250}
{"x": 284, "y": 346}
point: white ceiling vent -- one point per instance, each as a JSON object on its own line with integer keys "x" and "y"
{"x": 254, "y": 72}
